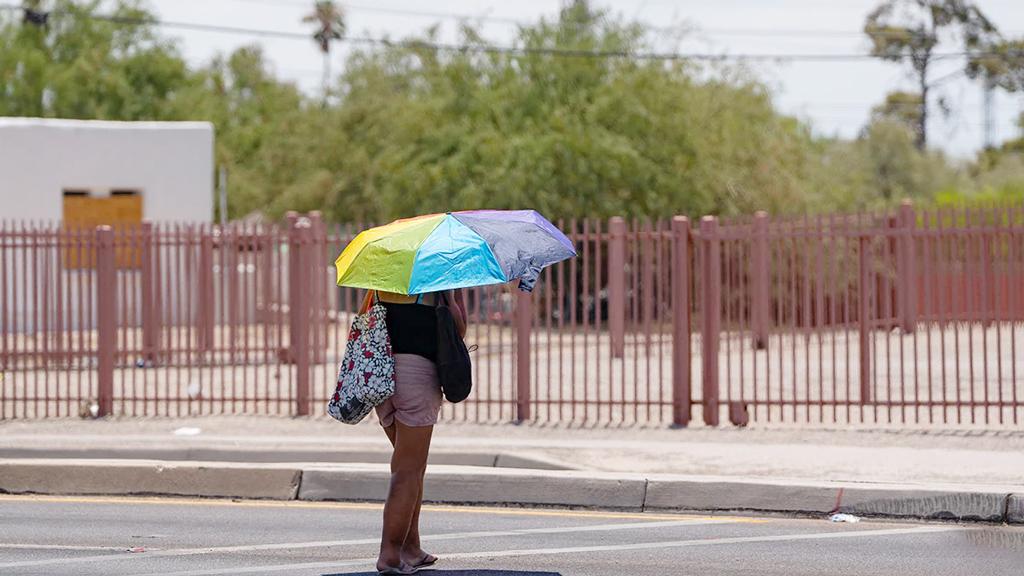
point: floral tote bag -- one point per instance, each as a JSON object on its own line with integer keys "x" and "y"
{"x": 367, "y": 374}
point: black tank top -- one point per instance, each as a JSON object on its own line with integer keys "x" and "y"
{"x": 412, "y": 329}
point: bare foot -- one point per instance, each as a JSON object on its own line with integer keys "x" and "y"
{"x": 398, "y": 568}
{"x": 418, "y": 558}
{"x": 389, "y": 562}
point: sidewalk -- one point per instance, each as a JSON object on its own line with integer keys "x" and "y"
{"x": 967, "y": 474}
{"x": 965, "y": 457}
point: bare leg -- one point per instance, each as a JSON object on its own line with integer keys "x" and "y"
{"x": 408, "y": 464}
{"x": 412, "y": 552}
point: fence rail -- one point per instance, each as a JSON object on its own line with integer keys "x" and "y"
{"x": 907, "y": 317}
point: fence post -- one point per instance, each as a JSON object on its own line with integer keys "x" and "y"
{"x": 106, "y": 317}
{"x": 206, "y": 291}
{"x": 907, "y": 267}
{"x": 150, "y": 284}
{"x": 294, "y": 283}
{"x": 761, "y": 297}
{"x": 988, "y": 277}
{"x": 233, "y": 241}
{"x": 617, "y": 285}
{"x": 269, "y": 303}
{"x": 681, "y": 321}
{"x": 647, "y": 282}
{"x": 524, "y": 322}
{"x": 864, "y": 322}
{"x": 711, "y": 291}
{"x": 316, "y": 276}
{"x": 300, "y": 312}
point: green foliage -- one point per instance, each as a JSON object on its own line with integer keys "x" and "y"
{"x": 410, "y": 129}
{"x": 880, "y": 168}
{"x": 900, "y": 107}
{"x": 901, "y": 28}
{"x": 331, "y": 23}
{"x": 999, "y": 177}
{"x": 1001, "y": 65}
{"x": 568, "y": 136}
{"x": 263, "y": 126}
{"x": 77, "y": 67}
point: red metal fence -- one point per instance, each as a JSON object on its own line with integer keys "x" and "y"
{"x": 910, "y": 317}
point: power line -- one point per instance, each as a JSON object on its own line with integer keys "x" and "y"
{"x": 495, "y": 49}
{"x": 761, "y": 32}
{"x": 404, "y": 12}
{"x": 426, "y": 14}
{"x": 395, "y": 11}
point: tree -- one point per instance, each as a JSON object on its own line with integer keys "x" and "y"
{"x": 418, "y": 128}
{"x": 65, "y": 62}
{"x": 900, "y": 107}
{"x": 428, "y": 130}
{"x": 1000, "y": 65}
{"x": 264, "y": 127}
{"x": 331, "y": 21}
{"x": 911, "y": 30}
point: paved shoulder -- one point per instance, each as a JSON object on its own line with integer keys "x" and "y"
{"x": 115, "y": 536}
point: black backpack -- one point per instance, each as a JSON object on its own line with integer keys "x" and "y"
{"x": 454, "y": 369}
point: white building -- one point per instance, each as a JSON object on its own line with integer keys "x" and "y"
{"x": 92, "y": 170}
{"x": 84, "y": 174}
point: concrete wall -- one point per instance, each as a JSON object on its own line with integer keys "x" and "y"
{"x": 171, "y": 163}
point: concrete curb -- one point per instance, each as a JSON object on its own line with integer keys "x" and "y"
{"x": 455, "y": 484}
{"x": 883, "y": 500}
{"x": 127, "y": 477}
{"x": 1015, "y": 509}
{"x": 277, "y": 455}
{"x": 482, "y": 485}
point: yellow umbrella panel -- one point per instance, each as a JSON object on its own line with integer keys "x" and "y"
{"x": 381, "y": 258}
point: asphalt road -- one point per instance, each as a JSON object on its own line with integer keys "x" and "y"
{"x": 84, "y": 535}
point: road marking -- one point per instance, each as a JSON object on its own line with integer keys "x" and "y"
{"x": 367, "y": 541}
{"x": 15, "y": 546}
{"x": 581, "y": 549}
{"x": 361, "y": 506}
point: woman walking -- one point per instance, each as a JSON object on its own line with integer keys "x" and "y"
{"x": 408, "y": 419}
{"x": 434, "y": 255}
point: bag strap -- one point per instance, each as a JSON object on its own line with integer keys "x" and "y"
{"x": 368, "y": 302}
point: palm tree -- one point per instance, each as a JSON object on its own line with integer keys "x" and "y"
{"x": 331, "y": 22}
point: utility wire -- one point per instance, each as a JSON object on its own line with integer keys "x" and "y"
{"x": 946, "y": 78}
{"x": 756, "y": 32}
{"x": 823, "y": 33}
{"x": 494, "y": 49}
{"x": 396, "y": 11}
{"x": 426, "y": 14}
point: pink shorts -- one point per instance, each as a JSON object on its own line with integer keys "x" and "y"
{"x": 417, "y": 398}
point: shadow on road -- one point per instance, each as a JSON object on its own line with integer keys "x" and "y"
{"x": 461, "y": 573}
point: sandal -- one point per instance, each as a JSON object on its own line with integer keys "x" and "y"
{"x": 427, "y": 561}
{"x": 396, "y": 571}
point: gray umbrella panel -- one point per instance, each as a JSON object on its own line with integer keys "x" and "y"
{"x": 522, "y": 248}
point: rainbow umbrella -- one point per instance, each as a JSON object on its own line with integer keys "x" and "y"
{"x": 454, "y": 250}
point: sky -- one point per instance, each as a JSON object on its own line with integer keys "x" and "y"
{"x": 835, "y": 98}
